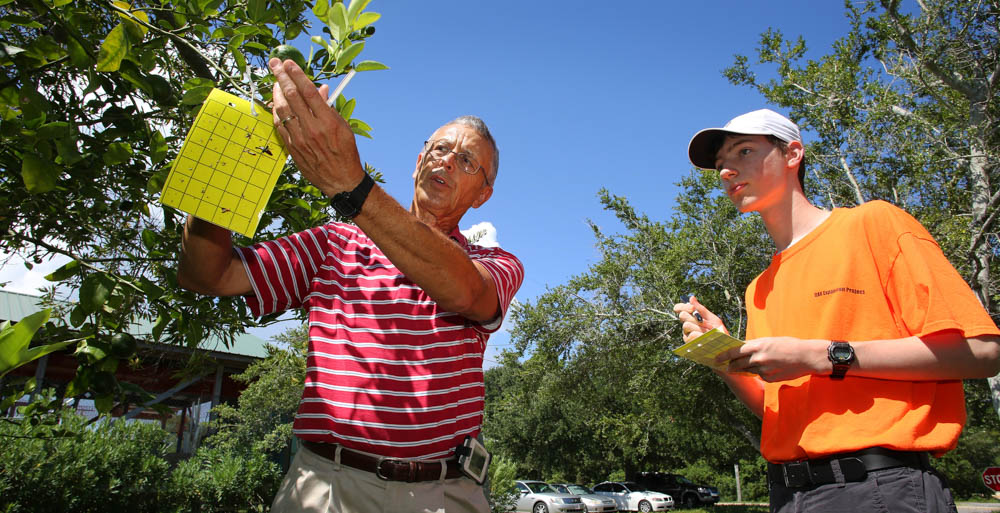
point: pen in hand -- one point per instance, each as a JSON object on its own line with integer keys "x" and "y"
{"x": 687, "y": 299}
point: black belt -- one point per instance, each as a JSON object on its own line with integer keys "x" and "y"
{"x": 852, "y": 466}
{"x": 387, "y": 469}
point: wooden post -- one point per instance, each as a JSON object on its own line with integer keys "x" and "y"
{"x": 739, "y": 492}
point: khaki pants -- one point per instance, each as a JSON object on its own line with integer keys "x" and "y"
{"x": 315, "y": 484}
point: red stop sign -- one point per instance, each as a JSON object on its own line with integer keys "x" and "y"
{"x": 991, "y": 478}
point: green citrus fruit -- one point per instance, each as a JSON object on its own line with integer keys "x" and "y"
{"x": 286, "y": 52}
{"x": 123, "y": 345}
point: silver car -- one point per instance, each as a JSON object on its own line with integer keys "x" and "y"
{"x": 592, "y": 503}
{"x": 539, "y": 497}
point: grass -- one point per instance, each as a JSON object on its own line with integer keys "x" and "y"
{"x": 741, "y": 508}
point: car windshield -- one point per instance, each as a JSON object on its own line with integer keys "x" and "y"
{"x": 540, "y": 488}
{"x": 635, "y": 487}
{"x": 580, "y": 490}
{"x": 560, "y": 488}
{"x": 684, "y": 480}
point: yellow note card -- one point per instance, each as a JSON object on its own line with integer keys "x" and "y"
{"x": 705, "y": 348}
{"x": 228, "y": 165}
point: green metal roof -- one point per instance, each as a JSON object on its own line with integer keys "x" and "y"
{"x": 14, "y": 306}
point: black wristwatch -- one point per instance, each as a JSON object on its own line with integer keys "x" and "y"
{"x": 348, "y": 203}
{"x": 842, "y": 355}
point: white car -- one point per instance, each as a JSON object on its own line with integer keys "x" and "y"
{"x": 634, "y": 497}
{"x": 592, "y": 503}
{"x": 539, "y": 497}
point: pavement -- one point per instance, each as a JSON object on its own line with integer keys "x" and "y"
{"x": 963, "y": 507}
{"x": 978, "y": 507}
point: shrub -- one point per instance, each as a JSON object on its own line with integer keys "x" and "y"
{"x": 963, "y": 467}
{"x": 108, "y": 467}
{"x": 215, "y": 480}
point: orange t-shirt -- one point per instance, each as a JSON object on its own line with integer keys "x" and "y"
{"x": 867, "y": 273}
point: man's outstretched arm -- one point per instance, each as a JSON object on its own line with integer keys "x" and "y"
{"x": 208, "y": 263}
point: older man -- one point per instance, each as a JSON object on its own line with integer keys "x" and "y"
{"x": 400, "y": 307}
{"x": 858, "y": 335}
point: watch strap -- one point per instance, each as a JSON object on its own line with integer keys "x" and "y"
{"x": 348, "y": 203}
{"x": 840, "y": 364}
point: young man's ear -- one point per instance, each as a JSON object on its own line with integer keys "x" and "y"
{"x": 795, "y": 153}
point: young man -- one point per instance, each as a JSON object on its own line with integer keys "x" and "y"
{"x": 858, "y": 335}
{"x": 400, "y": 306}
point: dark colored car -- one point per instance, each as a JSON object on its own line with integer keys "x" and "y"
{"x": 682, "y": 489}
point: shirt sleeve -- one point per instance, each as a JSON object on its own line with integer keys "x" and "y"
{"x": 507, "y": 273}
{"x": 281, "y": 270}
{"x": 927, "y": 292}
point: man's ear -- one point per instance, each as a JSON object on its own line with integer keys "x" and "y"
{"x": 484, "y": 195}
{"x": 794, "y": 155}
{"x": 416, "y": 169}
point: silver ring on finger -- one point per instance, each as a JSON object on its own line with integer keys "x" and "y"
{"x": 286, "y": 119}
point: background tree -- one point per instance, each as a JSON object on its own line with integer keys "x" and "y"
{"x": 95, "y": 99}
{"x": 262, "y": 421}
{"x": 903, "y": 109}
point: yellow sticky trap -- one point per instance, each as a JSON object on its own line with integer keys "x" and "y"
{"x": 705, "y": 348}
{"x": 228, "y": 165}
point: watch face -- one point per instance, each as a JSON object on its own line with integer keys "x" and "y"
{"x": 842, "y": 353}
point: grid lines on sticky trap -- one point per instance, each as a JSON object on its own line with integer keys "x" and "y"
{"x": 227, "y": 166}
{"x": 705, "y": 348}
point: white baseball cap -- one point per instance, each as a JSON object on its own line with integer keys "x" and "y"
{"x": 704, "y": 144}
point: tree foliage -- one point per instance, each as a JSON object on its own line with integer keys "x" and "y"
{"x": 601, "y": 390}
{"x": 95, "y": 100}
{"x": 262, "y": 421}
{"x": 903, "y": 109}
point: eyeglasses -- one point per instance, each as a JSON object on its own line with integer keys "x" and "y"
{"x": 440, "y": 149}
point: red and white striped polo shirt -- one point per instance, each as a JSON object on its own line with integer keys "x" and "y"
{"x": 388, "y": 371}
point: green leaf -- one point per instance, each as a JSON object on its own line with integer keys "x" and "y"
{"x": 237, "y": 52}
{"x": 39, "y": 176}
{"x": 104, "y": 403}
{"x": 152, "y": 290}
{"x": 156, "y": 181}
{"x": 14, "y": 340}
{"x": 360, "y": 127}
{"x": 149, "y": 239}
{"x": 198, "y": 83}
{"x": 337, "y": 21}
{"x": 321, "y": 8}
{"x": 354, "y": 10}
{"x": 78, "y": 316}
{"x": 256, "y": 10}
{"x": 54, "y": 130}
{"x": 94, "y": 292}
{"x": 348, "y": 55}
{"x": 78, "y": 54}
{"x": 114, "y": 48}
{"x": 161, "y": 323}
{"x": 196, "y": 96}
{"x": 347, "y": 109}
{"x": 369, "y": 66}
{"x": 157, "y": 147}
{"x": 117, "y": 153}
{"x": 66, "y": 271}
{"x": 366, "y": 19}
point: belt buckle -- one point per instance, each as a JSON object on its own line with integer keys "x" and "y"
{"x": 378, "y": 467}
{"x": 796, "y": 474}
{"x": 411, "y": 467}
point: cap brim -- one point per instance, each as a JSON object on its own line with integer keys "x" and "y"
{"x": 704, "y": 144}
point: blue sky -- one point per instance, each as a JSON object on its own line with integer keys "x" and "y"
{"x": 579, "y": 95}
